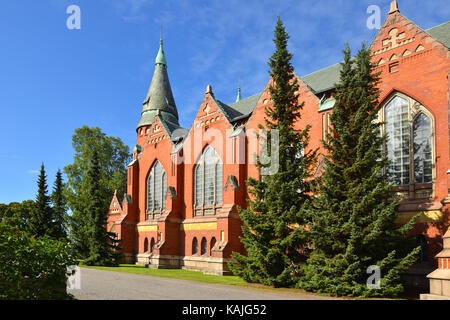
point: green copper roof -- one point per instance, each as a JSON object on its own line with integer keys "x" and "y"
{"x": 441, "y": 33}
{"x": 323, "y": 80}
{"x": 241, "y": 108}
{"x": 159, "y": 96}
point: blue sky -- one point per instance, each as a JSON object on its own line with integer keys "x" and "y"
{"x": 53, "y": 80}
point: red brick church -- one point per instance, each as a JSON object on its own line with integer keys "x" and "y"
{"x": 184, "y": 185}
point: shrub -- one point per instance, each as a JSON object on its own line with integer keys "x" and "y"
{"x": 32, "y": 268}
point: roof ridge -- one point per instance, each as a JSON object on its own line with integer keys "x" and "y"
{"x": 240, "y": 101}
{"x": 439, "y": 25}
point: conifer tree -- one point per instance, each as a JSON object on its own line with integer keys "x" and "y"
{"x": 273, "y": 222}
{"x": 41, "y": 217}
{"x": 103, "y": 247}
{"x": 353, "y": 222}
{"x": 59, "y": 208}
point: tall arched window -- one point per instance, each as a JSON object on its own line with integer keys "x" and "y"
{"x": 409, "y": 146}
{"x": 194, "y": 246}
{"x": 156, "y": 188}
{"x": 208, "y": 180}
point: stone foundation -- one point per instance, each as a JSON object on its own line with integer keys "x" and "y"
{"x": 207, "y": 265}
{"x": 440, "y": 278}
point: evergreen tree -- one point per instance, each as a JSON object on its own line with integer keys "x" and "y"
{"x": 41, "y": 217}
{"x": 103, "y": 247}
{"x": 353, "y": 221}
{"x": 59, "y": 208}
{"x": 272, "y": 222}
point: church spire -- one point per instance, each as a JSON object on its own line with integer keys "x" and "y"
{"x": 238, "y": 98}
{"x": 159, "y": 99}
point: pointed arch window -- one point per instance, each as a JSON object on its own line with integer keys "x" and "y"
{"x": 156, "y": 188}
{"x": 204, "y": 247}
{"x": 208, "y": 181}
{"x": 194, "y": 246}
{"x": 409, "y": 146}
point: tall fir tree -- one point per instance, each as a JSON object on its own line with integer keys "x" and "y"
{"x": 353, "y": 222}
{"x": 41, "y": 218}
{"x": 103, "y": 247}
{"x": 59, "y": 208}
{"x": 273, "y": 233}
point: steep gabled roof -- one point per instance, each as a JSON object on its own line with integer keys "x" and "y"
{"x": 239, "y": 109}
{"x": 325, "y": 79}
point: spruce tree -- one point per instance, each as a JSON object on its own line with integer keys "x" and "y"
{"x": 41, "y": 217}
{"x": 59, "y": 208}
{"x": 103, "y": 247}
{"x": 353, "y": 222}
{"x": 273, "y": 221}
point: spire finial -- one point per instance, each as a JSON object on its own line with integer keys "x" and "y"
{"x": 238, "y": 98}
{"x": 394, "y": 7}
{"x": 160, "y": 58}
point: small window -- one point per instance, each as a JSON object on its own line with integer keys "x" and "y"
{"x": 194, "y": 247}
{"x": 393, "y": 67}
{"x": 204, "y": 247}
{"x": 145, "y": 245}
{"x": 213, "y": 243}
{"x": 152, "y": 244}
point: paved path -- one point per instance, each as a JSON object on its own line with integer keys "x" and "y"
{"x": 110, "y": 285}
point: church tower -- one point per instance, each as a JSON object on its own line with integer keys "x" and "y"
{"x": 159, "y": 98}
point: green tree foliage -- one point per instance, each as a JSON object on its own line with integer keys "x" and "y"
{"x": 17, "y": 214}
{"x": 102, "y": 245}
{"x": 32, "y": 268}
{"x": 271, "y": 232}
{"x": 59, "y": 207}
{"x": 353, "y": 224}
{"x": 40, "y": 222}
{"x": 113, "y": 159}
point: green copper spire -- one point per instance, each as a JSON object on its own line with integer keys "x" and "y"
{"x": 239, "y": 91}
{"x": 159, "y": 99}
